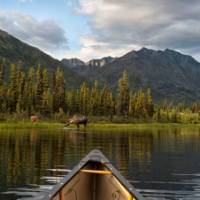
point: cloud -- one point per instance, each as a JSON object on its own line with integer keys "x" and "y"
{"x": 151, "y": 23}
{"x": 46, "y": 34}
{"x": 92, "y": 49}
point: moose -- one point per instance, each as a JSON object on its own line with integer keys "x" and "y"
{"x": 77, "y": 120}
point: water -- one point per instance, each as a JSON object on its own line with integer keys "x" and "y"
{"x": 163, "y": 164}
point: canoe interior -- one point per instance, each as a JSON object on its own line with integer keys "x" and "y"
{"x": 93, "y": 182}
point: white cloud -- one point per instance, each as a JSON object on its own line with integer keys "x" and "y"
{"x": 92, "y": 49}
{"x": 117, "y": 25}
{"x": 46, "y": 34}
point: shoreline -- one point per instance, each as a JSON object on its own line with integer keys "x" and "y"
{"x": 93, "y": 126}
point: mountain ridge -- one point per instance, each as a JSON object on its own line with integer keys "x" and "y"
{"x": 170, "y": 74}
{"x": 13, "y": 50}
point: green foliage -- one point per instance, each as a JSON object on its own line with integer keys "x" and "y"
{"x": 1, "y": 74}
{"x": 60, "y": 116}
{"x": 30, "y": 92}
{"x": 107, "y": 102}
{"x": 123, "y": 95}
{"x": 2, "y": 90}
{"x": 84, "y": 99}
{"x": 13, "y": 89}
{"x": 58, "y": 90}
{"x": 95, "y": 100}
{"x": 141, "y": 104}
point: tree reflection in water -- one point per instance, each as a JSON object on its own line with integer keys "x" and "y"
{"x": 155, "y": 160}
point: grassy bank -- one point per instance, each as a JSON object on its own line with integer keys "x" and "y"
{"x": 29, "y": 125}
{"x": 141, "y": 126}
{"x": 93, "y": 126}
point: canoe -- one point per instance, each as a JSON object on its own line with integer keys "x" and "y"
{"x": 94, "y": 178}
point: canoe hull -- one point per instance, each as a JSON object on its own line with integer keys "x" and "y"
{"x": 94, "y": 178}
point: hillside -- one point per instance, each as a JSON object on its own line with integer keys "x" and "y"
{"x": 170, "y": 74}
{"x": 15, "y": 51}
{"x": 72, "y": 62}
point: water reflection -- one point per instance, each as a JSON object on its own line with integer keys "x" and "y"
{"x": 161, "y": 163}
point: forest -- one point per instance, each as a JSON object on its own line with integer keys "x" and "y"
{"x": 33, "y": 92}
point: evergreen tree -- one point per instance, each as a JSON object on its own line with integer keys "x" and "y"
{"x": 174, "y": 116}
{"x": 13, "y": 90}
{"x": 1, "y": 74}
{"x": 157, "y": 115}
{"x": 132, "y": 104}
{"x": 140, "y": 109}
{"x": 95, "y": 99}
{"x": 46, "y": 102}
{"x": 32, "y": 93}
{"x": 46, "y": 95}
{"x": 107, "y": 102}
{"x": 29, "y": 92}
{"x": 123, "y": 94}
{"x": 2, "y": 89}
{"x": 72, "y": 102}
{"x": 149, "y": 103}
{"x": 39, "y": 89}
{"x": 195, "y": 107}
{"x": 20, "y": 85}
{"x": 59, "y": 90}
{"x": 84, "y": 99}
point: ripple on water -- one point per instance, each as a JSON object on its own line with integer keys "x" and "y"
{"x": 37, "y": 192}
{"x": 139, "y": 155}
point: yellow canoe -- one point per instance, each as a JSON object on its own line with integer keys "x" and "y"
{"x": 94, "y": 178}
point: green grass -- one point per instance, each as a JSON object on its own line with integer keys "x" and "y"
{"x": 94, "y": 126}
{"x": 29, "y": 125}
{"x": 140, "y": 125}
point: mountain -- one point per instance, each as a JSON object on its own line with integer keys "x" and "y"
{"x": 89, "y": 69}
{"x": 170, "y": 74}
{"x": 73, "y": 62}
{"x": 13, "y": 50}
{"x": 100, "y": 62}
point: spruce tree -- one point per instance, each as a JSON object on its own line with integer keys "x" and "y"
{"x": 72, "y": 102}
{"x": 140, "y": 109}
{"x": 95, "y": 99}
{"x": 39, "y": 89}
{"x": 1, "y": 74}
{"x": 59, "y": 90}
{"x": 130, "y": 107}
{"x": 123, "y": 94}
{"x": 13, "y": 90}
{"x": 29, "y": 92}
{"x": 84, "y": 99}
{"x": 46, "y": 95}
{"x": 107, "y": 102}
{"x": 20, "y": 85}
{"x": 2, "y": 89}
{"x": 149, "y": 103}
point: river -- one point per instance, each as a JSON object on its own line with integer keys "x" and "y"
{"x": 162, "y": 163}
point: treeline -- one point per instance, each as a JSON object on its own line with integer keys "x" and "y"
{"x": 180, "y": 113}
{"x": 36, "y": 92}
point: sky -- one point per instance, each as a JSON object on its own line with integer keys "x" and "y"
{"x": 89, "y": 29}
